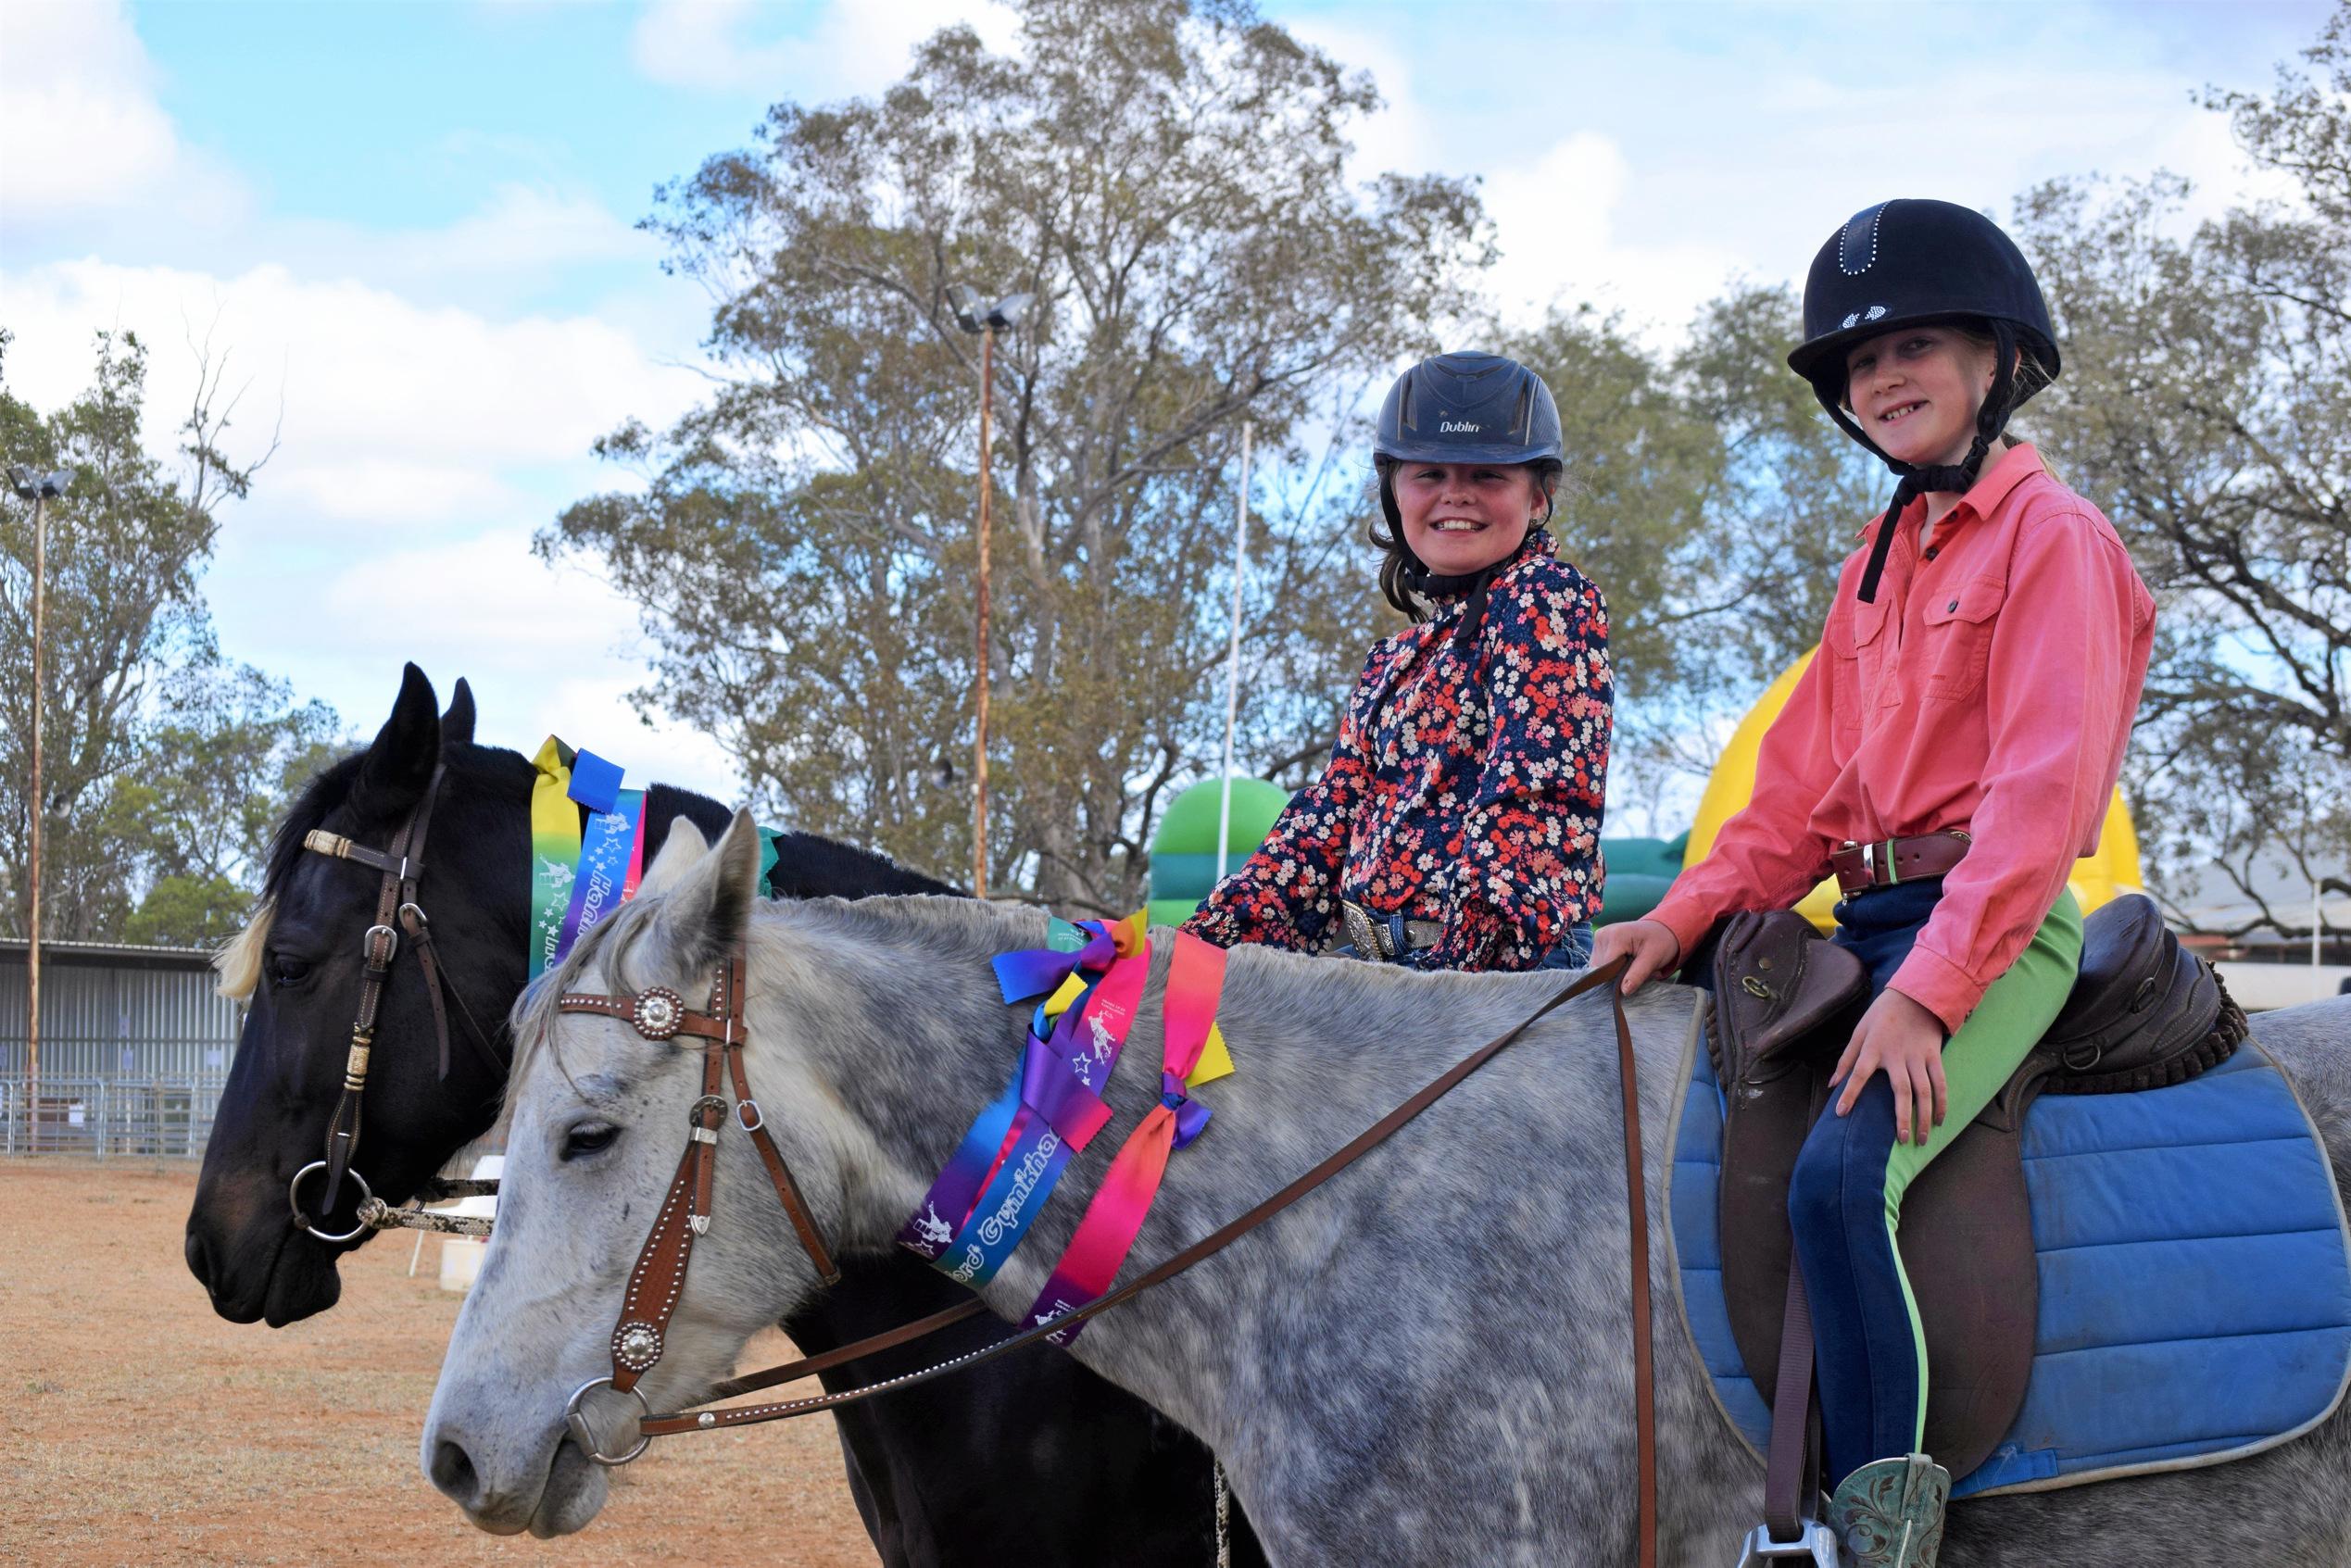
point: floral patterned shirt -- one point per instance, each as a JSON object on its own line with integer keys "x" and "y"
{"x": 1466, "y": 788}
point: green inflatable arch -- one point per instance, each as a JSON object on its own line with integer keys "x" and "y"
{"x": 1184, "y": 850}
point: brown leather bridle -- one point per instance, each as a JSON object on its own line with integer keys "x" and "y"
{"x": 659, "y": 1277}
{"x": 403, "y": 867}
{"x": 640, "y": 1336}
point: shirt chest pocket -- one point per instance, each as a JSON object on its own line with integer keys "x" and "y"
{"x": 1955, "y": 644}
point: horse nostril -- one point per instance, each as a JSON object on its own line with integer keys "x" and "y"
{"x": 199, "y": 1259}
{"x": 453, "y": 1471}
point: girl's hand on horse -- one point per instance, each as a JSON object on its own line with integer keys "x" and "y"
{"x": 1654, "y": 950}
{"x": 1903, "y": 1039}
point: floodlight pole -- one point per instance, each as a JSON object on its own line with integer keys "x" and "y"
{"x": 986, "y": 323}
{"x": 979, "y": 674}
{"x": 38, "y": 489}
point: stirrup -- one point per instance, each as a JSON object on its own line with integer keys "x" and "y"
{"x": 1817, "y": 1545}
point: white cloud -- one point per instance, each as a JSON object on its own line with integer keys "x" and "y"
{"x": 421, "y": 447}
{"x": 394, "y": 412}
{"x": 1556, "y": 220}
{"x": 854, "y": 48}
{"x": 80, "y": 124}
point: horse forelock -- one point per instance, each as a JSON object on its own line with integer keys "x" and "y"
{"x": 239, "y": 961}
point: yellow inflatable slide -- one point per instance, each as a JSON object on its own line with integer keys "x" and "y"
{"x": 2096, "y": 879}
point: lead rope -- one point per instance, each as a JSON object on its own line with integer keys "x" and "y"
{"x": 1224, "y": 1517}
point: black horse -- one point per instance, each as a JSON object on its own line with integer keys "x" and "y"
{"x": 1030, "y": 1457}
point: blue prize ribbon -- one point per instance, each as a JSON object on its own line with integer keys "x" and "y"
{"x": 1009, "y": 1205}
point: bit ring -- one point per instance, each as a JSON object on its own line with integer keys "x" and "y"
{"x": 294, "y": 1200}
{"x": 587, "y": 1440}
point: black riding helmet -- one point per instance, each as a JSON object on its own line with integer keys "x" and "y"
{"x": 1915, "y": 263}
{"x": 1463, "y": 408}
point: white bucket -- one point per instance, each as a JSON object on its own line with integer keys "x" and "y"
{"x": 461, "y": 1255}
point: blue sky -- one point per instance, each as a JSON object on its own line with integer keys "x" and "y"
{"x": 410, "y": 229}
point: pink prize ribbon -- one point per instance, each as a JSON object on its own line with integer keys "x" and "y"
{"x": 1195, "y": 983}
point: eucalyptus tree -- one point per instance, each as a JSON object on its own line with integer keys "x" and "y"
{"x": 162, "y": 766}
{"x": 2207, "y": 404}
{"x": 1171, "y": 182}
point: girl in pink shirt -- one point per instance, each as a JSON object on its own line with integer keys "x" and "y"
{"x": 1957, "y": 736}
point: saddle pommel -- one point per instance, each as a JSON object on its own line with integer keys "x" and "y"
{"x": 1778, "y": 993}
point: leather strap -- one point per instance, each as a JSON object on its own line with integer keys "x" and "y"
{"x": 1790, "y": 1474}
{"x": 1887, "y": 861}
{"x": 659, "y": 1013}
{"x": 1637, "y": 1216}
{"x": 401, "y": 866}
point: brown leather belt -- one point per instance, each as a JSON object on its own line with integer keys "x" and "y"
{"x": 1888, "y": 861}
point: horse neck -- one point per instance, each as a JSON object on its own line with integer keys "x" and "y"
{"x": 904, "y": 1030}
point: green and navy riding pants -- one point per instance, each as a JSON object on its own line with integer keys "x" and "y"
{"x": 1844, "y": 1200}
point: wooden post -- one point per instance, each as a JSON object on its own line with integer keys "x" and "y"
{"x": 32, "y": 951}
{"x": 979, "y": 693}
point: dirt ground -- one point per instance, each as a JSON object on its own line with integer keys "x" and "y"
{"x": 136, "y": 1427}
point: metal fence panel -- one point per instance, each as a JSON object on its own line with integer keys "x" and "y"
{"x": 112, "y": 1116}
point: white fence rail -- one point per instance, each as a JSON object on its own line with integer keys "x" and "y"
{"x": 117, "y": 1116}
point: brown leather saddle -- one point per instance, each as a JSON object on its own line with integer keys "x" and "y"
{"x": 2144, "y": 1013}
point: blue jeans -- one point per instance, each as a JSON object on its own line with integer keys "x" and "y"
{"x": 1572, "y": 951}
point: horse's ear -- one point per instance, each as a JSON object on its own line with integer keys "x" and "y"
{"x": 680, "y": 852}
{"x": 407, "y": 750}
{"x": 710, "y": 908}
{"x": 456, "y": 724}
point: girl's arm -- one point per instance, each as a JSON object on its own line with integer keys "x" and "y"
{"x": 1285, "y": 893}
{"x": 2068, "y": 655}
{"x": 1528, "y": 863}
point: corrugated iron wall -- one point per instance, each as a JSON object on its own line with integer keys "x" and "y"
{"x": 109, "y": 1020}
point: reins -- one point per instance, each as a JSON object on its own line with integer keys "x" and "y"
{"x": 660, "y": 1273}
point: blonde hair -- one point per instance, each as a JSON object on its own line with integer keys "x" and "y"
{"x": 239, "y": 960}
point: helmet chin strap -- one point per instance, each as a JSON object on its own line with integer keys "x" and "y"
{"x": 1919, "y": 479}
{"x": 1422, "y": 581}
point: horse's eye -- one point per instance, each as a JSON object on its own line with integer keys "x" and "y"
{"x": 287, "y": 970}
{"x": 588, "y": 1137}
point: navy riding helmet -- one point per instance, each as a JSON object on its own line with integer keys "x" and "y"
{"x": 1468, "y": 407}
{"x": 1915, "y": 263}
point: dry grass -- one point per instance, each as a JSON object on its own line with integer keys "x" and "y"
{"x": 138, "y": 1428}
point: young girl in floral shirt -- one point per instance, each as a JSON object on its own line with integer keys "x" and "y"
{"x": 1457, "y": 825}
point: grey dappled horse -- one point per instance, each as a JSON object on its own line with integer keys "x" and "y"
{"x": 1426, "y": 1361}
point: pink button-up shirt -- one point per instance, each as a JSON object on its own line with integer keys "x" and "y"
{"x": 1990, "y": 687}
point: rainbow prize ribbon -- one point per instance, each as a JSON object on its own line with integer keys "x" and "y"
{"x": 992, "y": 1188}
{"x": 555, "y": 848}
{"x": 1106, "y": 1235}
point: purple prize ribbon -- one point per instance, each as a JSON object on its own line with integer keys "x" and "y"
{"x": 1058, "y": 1108}
{"x": 1051, "y": 1086}
{"x": 948, "y": 1203}
{"x": 988, "y": 1146}
{"x": 1012, "y": 1202}
{"x": 606, "y": 847}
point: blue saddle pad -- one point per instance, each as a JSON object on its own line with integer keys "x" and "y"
{"x": 2195, "y": 1292}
